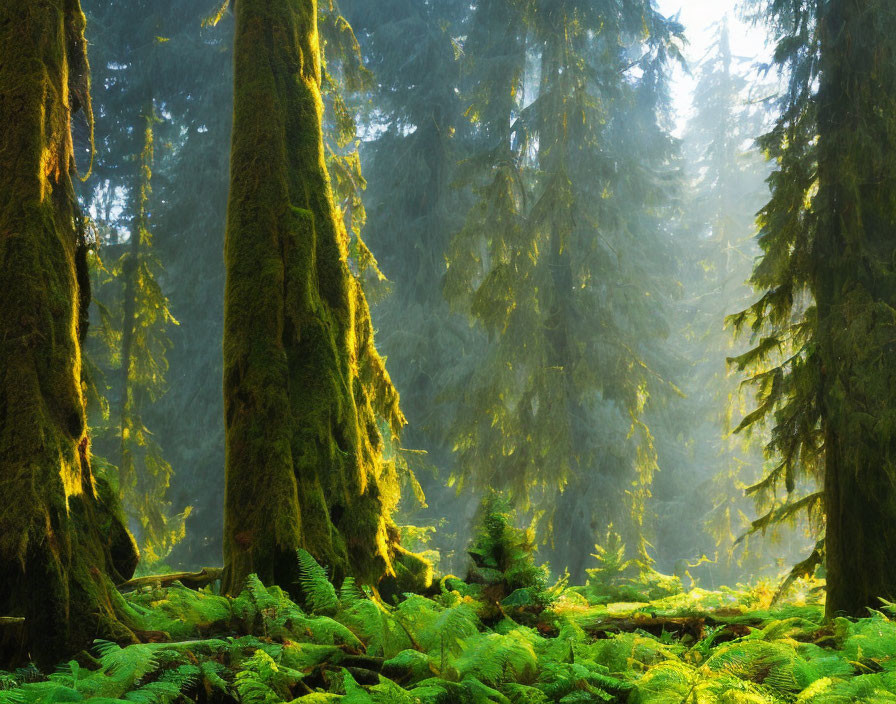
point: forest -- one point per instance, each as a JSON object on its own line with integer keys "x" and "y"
{"x": 447, "y": 351}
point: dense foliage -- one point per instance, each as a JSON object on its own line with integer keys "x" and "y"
{"x": 459, "y": 197}
{"x": 414, "y": 135}
{"x": 501, "y": 636}
{"x": 726, "y": 174}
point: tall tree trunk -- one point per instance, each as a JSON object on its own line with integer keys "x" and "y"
{"x": 61, "y": 539}
{"x": 303, "y": 386}
{"x": 855, "y": 259}
{"x": 571, "y": 525}
{"x": 129, "y": 270}
{"x": 130, "y": 405}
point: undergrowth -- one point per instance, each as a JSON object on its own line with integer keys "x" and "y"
{"x": 505, "y": 635}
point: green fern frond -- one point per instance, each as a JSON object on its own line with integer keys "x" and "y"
{"x": 211, "y": 675}
{"x": 42, "y": 692}
{"x": 773, "y": 664}
{"x": 377, "y": 627}
{"x": 258, "y": 594}
{"x": 320, "y": 594}
{"x": 264, "y": 681}
{"x": 349, "y": 593}
{"x": 126, "y": 666}
{"x": 495, "y": 658}
{"x": 168, "y": 688}
{"x": 12, "y": 696}
{"x": 451, "y": 628}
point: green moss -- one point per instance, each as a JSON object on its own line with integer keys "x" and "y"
{"x": 303, "y": 383}
{"x": 413, "y": 575}
{"x": 61, "y": 544}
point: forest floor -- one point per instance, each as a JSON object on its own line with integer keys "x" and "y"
{"x": 475, "y": 643}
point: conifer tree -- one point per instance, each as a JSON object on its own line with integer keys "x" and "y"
{"x": 127, "y": 354}
{"x": 165, "y": 51}
{"x": 561, "y": 261}
{"x": 130, "y": 366}
{"x": 727, "y": 175}
{"x": 418, "y": 134}
{"x": 62, "y": 544}
{"x": 139, "y": 43}
{"x": 304, "y": 389}
{"x": 824, "y": 373}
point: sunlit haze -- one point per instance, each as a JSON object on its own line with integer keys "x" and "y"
{"x": 700, "y": 17}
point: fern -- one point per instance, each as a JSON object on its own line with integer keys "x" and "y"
{"x": 44, "y": 692}
{"x": 169, "y": 687}
{"x": 495, "y": 658}
{"x": 211, "y": 675}
{"x": 377, "y": 627}
{"x": 253, "y": 602}
{"x": 459, "y": 647}
{"x": 453, "y": 626}
{"x": 349, "y": 593}
{"x": 263, "y": 681}
{"x": 124, "y": 666}
{"x": 320, "y": 595}
{"x": 776, "y": 665}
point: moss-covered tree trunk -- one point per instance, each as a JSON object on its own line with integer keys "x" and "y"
{"x": 303, "y": 386}
{"x": 855, "y": 261}
{"x": 61, "y": 542}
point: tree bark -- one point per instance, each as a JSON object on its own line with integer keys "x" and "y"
{"x": 855, "y": 290}
{"x": 62, "y": 540}
{"x": 303, "y": 385}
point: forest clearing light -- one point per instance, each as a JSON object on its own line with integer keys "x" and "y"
{"x": 700, "y": 19}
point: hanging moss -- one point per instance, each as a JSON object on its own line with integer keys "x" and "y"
{"x": 303, "y": 385}
{"x": 61, "y": 540}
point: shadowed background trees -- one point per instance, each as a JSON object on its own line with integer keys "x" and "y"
{"x": 493, "y": 313}
{"x": 158, "y": 67}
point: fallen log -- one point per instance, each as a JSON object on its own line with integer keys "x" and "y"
{"x": 373, "y": 664}
{"x": 694, "y": 625}
{"x": 191, "y": 580}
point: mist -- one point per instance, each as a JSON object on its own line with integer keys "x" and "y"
{"x": 551, "y": 301}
